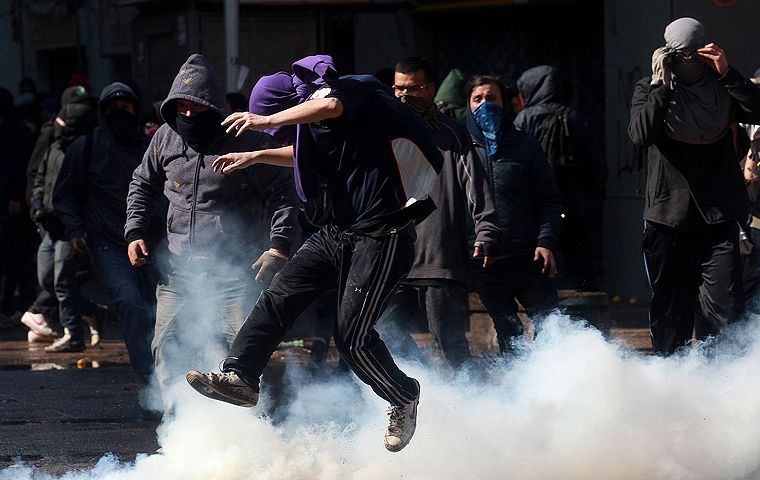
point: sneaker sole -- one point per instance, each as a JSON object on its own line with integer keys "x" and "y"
{"x": 36, "y": 328}
{"x": 198, "y": 382}
{"x": 66, "y": 350}
{"x": 398, "y": 448}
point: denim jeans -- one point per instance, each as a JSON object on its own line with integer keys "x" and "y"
{"x": 132, "y": 292}
{"x": 202, "y": 304}
{"x": 56, "y": 272}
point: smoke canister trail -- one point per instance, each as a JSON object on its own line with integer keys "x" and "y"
{"x": 571, "y": 406}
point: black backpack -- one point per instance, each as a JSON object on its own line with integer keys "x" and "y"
{"x": 556, "y": 139}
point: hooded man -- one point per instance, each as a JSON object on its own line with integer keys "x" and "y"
{"x": 376, "y": 162}
{"x": 216, "y": 226}
{"x": 57, "y": 265}
{"x": 90, "y": 199}
{"x": 528, "y": 206}
{"x": 44, "y": 309}
{"x": 436, "y": 286}
{"x": 685, "y": 114}
{"x": 578, "y": 167}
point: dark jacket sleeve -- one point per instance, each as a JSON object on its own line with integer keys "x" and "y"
{"x": 648, "y": 112}
{"x": 278, "y": 190}
{"x": 746, "y": 94}
{"x": 38, "y": 154}
{"x": 145, "y": 190}
{"x": 549, "y": 201}
{"x": 480, "y": 203}
{"x": 38, "y": 183}
{"x": 70, "y": 190}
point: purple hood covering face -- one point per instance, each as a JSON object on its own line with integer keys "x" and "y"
{"x": 280, "y": 91}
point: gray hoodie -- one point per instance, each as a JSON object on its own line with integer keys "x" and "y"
{"x": 224, "y": 216}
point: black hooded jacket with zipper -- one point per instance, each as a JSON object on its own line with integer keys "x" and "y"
{"x": 688, "y": 182}
{"x": 236, "y": 215}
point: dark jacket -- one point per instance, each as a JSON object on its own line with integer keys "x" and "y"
{"x": 545, "y": 96}
{"x": 461, "y": 190}
{"x": 90, "y": 196}
{"x": 76, "y": 95}
{"x": 689, "y": 185}
{"x": 210, "y": 213}
{"x": 527, "y": 199}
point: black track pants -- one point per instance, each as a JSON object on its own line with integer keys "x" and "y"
{"x": 366, "y": 271}
{"x": 695, "y": 279}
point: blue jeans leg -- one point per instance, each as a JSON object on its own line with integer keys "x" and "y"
{"x": 132, "y": 292}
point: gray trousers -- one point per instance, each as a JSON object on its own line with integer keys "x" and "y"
{"x": 201, "y": 306}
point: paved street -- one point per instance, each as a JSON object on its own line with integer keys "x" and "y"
{"x": 59, "y": 413}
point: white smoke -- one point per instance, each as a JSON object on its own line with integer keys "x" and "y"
{"x": 572, "y": 406}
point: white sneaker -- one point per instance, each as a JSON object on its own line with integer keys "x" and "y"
{"x": 37, "y": 324}
{"x": 66, "y": 343}
{"x": 32, "y": 337}
{"x": 402, "y": 424}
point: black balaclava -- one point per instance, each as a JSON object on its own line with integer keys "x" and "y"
{"x": 200, "y": 130}
{"x": 123, "y": 125}
{"x": 701, "y": 109}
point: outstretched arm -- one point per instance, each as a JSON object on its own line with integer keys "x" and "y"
{"x": 307, "y": 112}
{"x": 279, "y": 157}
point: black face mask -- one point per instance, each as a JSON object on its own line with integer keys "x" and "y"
{"x": 200, "y": 130}
{"x": 122, "y": 124}
{"x": 688, "y": 71}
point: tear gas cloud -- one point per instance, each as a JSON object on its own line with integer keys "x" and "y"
{"x": 571, "y": 406}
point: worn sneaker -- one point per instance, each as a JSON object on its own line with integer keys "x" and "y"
{"x": 96, "y": 323}
{"x": 37, "y": 324}
{"x": 225, "y": 387}
{"x": 402, "y": 424}
{"x": 66, "y": 343}
{"x": 32, "y": 337}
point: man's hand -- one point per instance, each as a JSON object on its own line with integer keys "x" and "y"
{"x": 233, "y": 161}
{"x": 549, "y": 263}
{"x": 714, "y": 57}
{"x": 487, "y": 250}
{"x": 239, "y": 122}
{"x": 137, "y": 251}
{"x": 268, "y": 264}
{"x": 661, "y": 66}
{"x": 79, "y": 245}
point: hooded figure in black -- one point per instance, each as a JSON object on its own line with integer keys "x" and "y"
{"x": 528, "y": 207}
{"x": 90, "y": 198}
{"x": 695, "y": 202}
{"x": 574, "y": 154}
{"x": 57, "y": 266}
{"x": 17, "y": 232}
{"x": 216, "y": 226}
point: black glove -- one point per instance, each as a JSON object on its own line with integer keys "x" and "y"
{"x": 488, "y": 249}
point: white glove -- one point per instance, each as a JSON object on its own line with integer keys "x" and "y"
{"x": 661, "y": 66}
{"x": 268, "y": 264}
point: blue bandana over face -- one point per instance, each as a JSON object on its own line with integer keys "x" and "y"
{"x": 488, "y": 117}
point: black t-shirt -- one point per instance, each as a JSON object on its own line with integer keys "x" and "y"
{"x": 377, "y": 160}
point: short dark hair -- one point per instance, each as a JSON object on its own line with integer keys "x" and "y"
{"x": 415, "y": 64}
{"x": 478, "y": 80}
